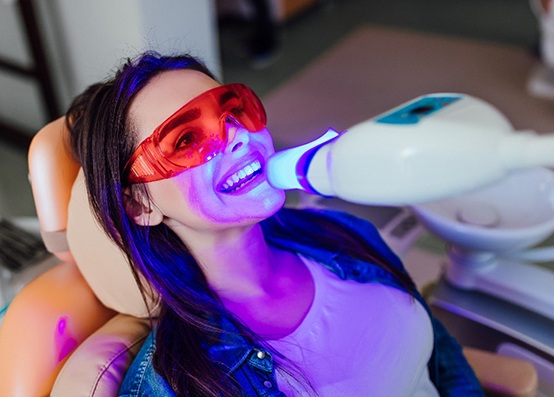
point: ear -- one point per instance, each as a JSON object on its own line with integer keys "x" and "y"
{"x": 140, "y": 210}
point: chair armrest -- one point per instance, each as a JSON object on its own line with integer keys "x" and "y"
{"x": 503, "y": 376}
{"x": 44, "y": 323}
{"x": 99, "y": 364}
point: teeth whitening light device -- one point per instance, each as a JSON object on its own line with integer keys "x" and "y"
{"x": 469, "y": 177}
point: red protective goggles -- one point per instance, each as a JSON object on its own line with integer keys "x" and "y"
{"x": 195, "y": 133}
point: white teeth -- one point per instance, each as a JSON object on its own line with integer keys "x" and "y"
{"x": 240, "y": 175}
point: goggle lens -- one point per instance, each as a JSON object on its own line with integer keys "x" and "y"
{"x": 195, "y": 133}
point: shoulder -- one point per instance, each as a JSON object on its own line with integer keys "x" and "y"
{"x": 317, "y": 212}
{"x": 358, "y": 229}
{"x": 141, "y": 378}
{"x": 315, "y": 217}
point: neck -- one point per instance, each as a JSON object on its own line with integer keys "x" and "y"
{"x": 236, "y": 261}
{"x": 268, "y": 289}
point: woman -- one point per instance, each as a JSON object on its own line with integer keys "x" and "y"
{"x": 256, "y": 299}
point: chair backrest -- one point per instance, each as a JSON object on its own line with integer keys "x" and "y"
{"x": 70, "y": 231}
{"x": 108, "y": 275}
{"x": 68, "y": 226}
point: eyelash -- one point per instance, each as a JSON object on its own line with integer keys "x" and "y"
{"x": 187, "y": 136}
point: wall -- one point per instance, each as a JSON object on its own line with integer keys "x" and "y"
{"x": 86, "y": 39}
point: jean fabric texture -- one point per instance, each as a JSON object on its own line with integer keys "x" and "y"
{"x": 253, "y": 368}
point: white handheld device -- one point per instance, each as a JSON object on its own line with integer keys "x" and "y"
{"x": 433, "y": 147}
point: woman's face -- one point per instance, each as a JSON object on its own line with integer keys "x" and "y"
{"x": 200, "y": 198}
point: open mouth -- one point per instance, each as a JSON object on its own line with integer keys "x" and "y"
{"x": 241, "y": 178}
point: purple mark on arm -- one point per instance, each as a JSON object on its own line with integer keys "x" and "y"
{"x": 65, "y": 343}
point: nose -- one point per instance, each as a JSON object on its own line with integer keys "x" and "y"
{"x": 237, "y": 136}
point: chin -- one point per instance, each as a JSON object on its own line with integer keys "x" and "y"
{"x": 271, "y": 203}
{"x": 257, "y": 205}
{"x": 276, "y": 204}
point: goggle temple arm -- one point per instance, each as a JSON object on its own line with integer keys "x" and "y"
{"x": 143, "y": 166}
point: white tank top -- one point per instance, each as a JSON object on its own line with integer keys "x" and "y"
{"x": 358, "y": 340}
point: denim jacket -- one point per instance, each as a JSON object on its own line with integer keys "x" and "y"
{"x": 253, "y": 368}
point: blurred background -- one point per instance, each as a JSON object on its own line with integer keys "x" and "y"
{"x": 51, "y": 50}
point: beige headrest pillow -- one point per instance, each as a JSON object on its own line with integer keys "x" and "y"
{"x": 100, "y": 261}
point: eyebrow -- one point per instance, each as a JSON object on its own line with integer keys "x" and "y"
{"x": 226, "y": 97}
{"x": 177, "y": 119}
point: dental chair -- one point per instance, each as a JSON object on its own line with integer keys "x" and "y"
{"x": 75, "y": 329}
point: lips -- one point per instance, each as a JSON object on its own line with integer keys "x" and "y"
{"x": 241, "y": 176}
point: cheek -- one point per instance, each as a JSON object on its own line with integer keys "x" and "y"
{"x": 186, "y": 195}
{"x": 264, "y": 137}
{"x": 168, "y": 194}
{"x": 273, "y": 203}
{"x": 197, "y": 195}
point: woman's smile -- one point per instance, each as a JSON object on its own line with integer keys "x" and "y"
{"x": 243, "y": 176}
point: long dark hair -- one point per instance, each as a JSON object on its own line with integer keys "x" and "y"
{"x": 102, "y": 139}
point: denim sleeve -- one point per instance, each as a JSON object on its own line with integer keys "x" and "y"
{"x": 141, "y": 380}
{"x": 449, "y": 370}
